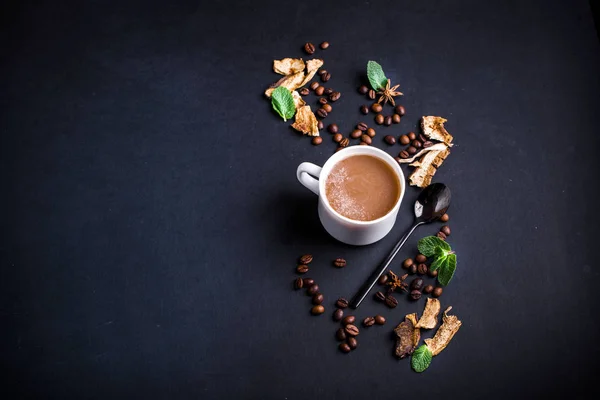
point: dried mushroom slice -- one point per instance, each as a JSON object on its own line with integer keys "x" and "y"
{"x": 404, "y": 344}
{"x": 416, "y": 336}
{"x": 311, "y": 69}
{"x": 433, "y": 128}
{"x": 426, "y": 167}
{"x": 421, "y": 177}
{"x": 288, "y": 66}
{"x": 430, "y": 314}
{"x": 435, "y": 147}
{"x": 450, "y": 325}
{"x": 298, "y": 101}
{"x": 290, "y": 82}
{"x": 306, "y": 122}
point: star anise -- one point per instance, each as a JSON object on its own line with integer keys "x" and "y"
{"x": 388, "y": 94}
{"x": 397, "y": 283}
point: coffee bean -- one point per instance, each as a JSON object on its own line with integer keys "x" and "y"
{"x": 376, "y": 108}
{"x": 411, "y": 150}
{"x": 422, "y": 269}
{"x": 371, "y": 94}
{"x": 326, "y": 77}
{"x": 404, "y": 154}
{"x": 428, "y": 289}
{"x": 317, "y": 140}
{"x": 338, "y": 149}
{"x": 317, "y": 310}
{"x": 339, "y": 262}
{"x": 324, "y": 45}
{"x": 320, "y": 125}
{"x": 371, "y": 132}
{"x": 338, "y": 137}
{"x": 364, "y": 109}
{"x": 404, "y": 140}
{"x": 420, "y": 258}
{"x": 388, "y": 120}
{"x": 355, "y": 134}
{"x": 415, "y": 294}
{"x": 345, "y": 348}
{"x": 412, "y": 136}
{"x": 321, "y": 72}
{"x": 400, "y": 110}
{"x": 327, "y": 107}
{"x": 335, "y": 96}
{"x": 309, "y": 48}
{"x": 445, "y": 218}
{"x": 379, "y": 320}
{"x": 379, "y": 296}
{"x": 345, "y": 142}
{"x": 363, "y": 89}
{"x": 389, "y": 139}
{"x": 383, "y": 279}
{"x": 379, "y": 119}
{"x": 349, "y": 319}
{"x": 391, "y": 301}
{"x": 422, "y": 138}
{"x": 322, "y": 100}
{"x": 338, "y": 315}
{"x": 298, "y": 283}
{"x": 322, "y": 113}
{"x": 302, "y": 269}
{"x": 396, "y": 118}
{"x": 308, "y": 282}
{"x": 312, "y": 289}
{"x": 366, "y": 139}
{"x": 328, "y": 91}
{"x": 413, "y": 269}
{"x": 340, "y": 334}
{"x": 351, "y": 330}
{"x": 305, "y": 259}
{"x": 364, "y": 144}
{"x": 352, "y": 342}
{"x": 332, "y": 128}
{"x": 433, "y": 273}
{"x": 427, "y": 144}
{"x": 369, "y": 321}
{"x": 314, "y": 85}
{"x": 416, "y": 144}
{"x": 416, "y": 284}
{"x": 319, "y": 91}
{"x": 341, "y": 302}
{"x": 362, "y": 126}
{"x": 304, "y": 91}
{"x": 441, "y": 235}
{"x": 318, "y": 298}
{"x": 437, "y": 292}
{"x": 398, "y": 160}
{"x": 407, "y": 263}
{"x": 446, "y": 230}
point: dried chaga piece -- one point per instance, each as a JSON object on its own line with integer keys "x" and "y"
{"x": 445, "y": 333}
{"x": 416, "y": 331}
{"x": 288, "y": 66}
{"x": 405, "y": 331}
{"x": 290, "y": 82}
{"x": 426, "y": 167}
{"x": 430, "y": 314}
{"x": 433, "y": 128}
{"x": 306, "y": 122}
{"x": 298, "y": 100}
{"x": 435, "y": 147}
{"x": 311, "y": 69}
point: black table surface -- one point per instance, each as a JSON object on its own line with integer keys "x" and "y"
{"x": 151, "y": 217}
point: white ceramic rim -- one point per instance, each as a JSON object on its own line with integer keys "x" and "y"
{"x": 353, "y": 151}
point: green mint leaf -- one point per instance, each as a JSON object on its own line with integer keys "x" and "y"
{"x": 447, "y": 270}
{"x": 283, "y": 103}
{"x": 439, "y": 252}
{"x": 376, "y": 76}
{"x": 427, "y": 246}
{"x": 437, "y": 262}
{"x": 421, "y": 358}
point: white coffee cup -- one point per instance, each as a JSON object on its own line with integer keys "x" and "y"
{"x": 344, "y": 229}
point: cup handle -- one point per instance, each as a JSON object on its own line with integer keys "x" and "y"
{"x": 308, "y": 175}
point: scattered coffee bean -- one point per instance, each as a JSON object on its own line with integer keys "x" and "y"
{"x": 338, "y": 149}
{"x": 388, "y": 120}
{"x": 437, "y": 292}
{"x": 427, "y": 144}
{"x": 379, "y": 119}
{"x": 328, "y": 91}
{"x": 371, "y": 94}
{"x": 319, "y": 91}
{"x": 404, "y": 140}
{"x": 400, "y": 110}
{"x": 305, "y": 259}
{"x": 340, "y": 334}
{"x": 314, "y": 85}
{"x": 317, "y": 310}
{"x": 338, "y": 137}
{"x": 298, "y": 283}
{"x": 420, "y": 258}
{"x": 446, "y": 230}
{"x": 304, "y": 92}
{"x": 317, "y": 140}
{"x": 318, "y": 298}
{"x": 324, "y": 45}
{"x": 345, "y": 142}
{"x": 411, "y": 150}
{"x": 345, "y": 348}
{"x": 320, "y": 125}
{"x": 351, "y": 330}
{"x": 396, "y": 118}
{"x": 366, "y": 139}
{"x": 302, "y": 269}
{"x": 309, "y": 48}
{"x": 379, "y": 320}
{"x": 412, "y": 136}
{"x": 376, "y": 108}
{"x": 371, "y": 132}
{"x": 369, "y": 321}
{"x": 338, "y": 314}
{"x": 321, "y": 72}
{"x": 445, "y": 218}
{"x": 407, "y": 263}
{"x": 332, "y": 128}
{"x": 422, "y": 138}
{"x": 355, "y": 134}
{"x": 335, "y": 96}
{"x": 363, "y": 89}
{"x": 339, "y": 262}
{"x": 323, "y": 100}
{"x": 327, "y": 107}
{"x": 404, "y": 154}
{"x": 341, "y": 302}
{"x": 326, "y": 77}
{"x": 441, "y": 235}
{"x": 413, "y": 269}
{"x": 363, "y": 144}
{"x": 308, "y": 281}
{"x": 312, "y": 289}
{"x": 422, "y": 269}
{"x": 415, "y": 294}
{"x": 322, "y": 113}
{"x": 383, "y": 279}
{"x": 352, "y": 342}
{"x": 348, "y": 319}
{"x": 433, "y": 273}
{"x": 364, "y": 109}
{"x": 379, "y": 296}
{"x": 428, "y": 289}
{"x": 398, "y": 160}
{"x": 416, "y": 144}
{"x": 362, "y": 126}
{"x": 416, "y": 284}
{"x": 391, "y": 301}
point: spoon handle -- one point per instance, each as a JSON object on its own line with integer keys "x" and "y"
{"x": 370, "y": 282}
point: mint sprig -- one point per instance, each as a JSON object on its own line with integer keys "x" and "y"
{"x": 376, "y": 76}
{"x": 421, "y": 358}
{"x": 444, "y": 258}
{"x": 283, "y": 102}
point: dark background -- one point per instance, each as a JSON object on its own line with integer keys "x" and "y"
{"x": 151, "y": 217}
